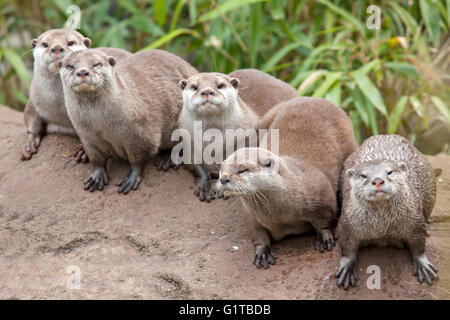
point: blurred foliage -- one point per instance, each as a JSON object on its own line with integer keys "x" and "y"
{"x": 389, "y": 80}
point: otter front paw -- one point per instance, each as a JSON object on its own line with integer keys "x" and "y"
{"x": 263, "y": 257}
{"x": 80, "y": 155}
{"x": 347, "y": 273}
{"x": 30, "y": 148}
{"x": 424, "y": 269}
{"x": 324, "y": 240}
{"x": 96, "y": 181}
{"x": 130, "y": 182}
{"x": 203, "y": 191}
{"x": 164, "y": 161}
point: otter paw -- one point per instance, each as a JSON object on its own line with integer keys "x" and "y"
{"x": 130, "y": 182}
{"x": 80, "y": 155}
{"x": 203, "y": 191}
{"x": 30, "y": 148}
{"x": 164, "y": 162}
{"x": 324, "y": 240}
{"x": 347, "y": 273}
{"x": 424, "y": 270}
{"x": 96, "y": 181}
{"x": 263, "y": 257}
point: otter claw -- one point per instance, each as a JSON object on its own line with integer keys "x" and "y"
{"x": 263, "y": 257}
{"x": 130, "y": 182}
{"x": 324, "y": 240}
{"x": 164, "y": 162}
{"x": 29, "y": 149}
{"x": 424, "y": 270}
{"x": 80, "y": 155}
{"x": 203, "y": 191}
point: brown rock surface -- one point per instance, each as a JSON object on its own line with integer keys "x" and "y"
{"x": 160, "y": 242}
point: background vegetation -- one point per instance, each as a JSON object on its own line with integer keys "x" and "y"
{"x": 395, "y": 79}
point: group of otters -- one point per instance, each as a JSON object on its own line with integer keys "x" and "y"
{"x": 127, "y": 105}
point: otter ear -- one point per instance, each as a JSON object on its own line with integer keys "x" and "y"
{"x": 87, "y": 42}
{"x": 112, "y": 61}
{"x": 267, "y": 163}
{"x": 403, "y": 166}
{"x": 34, "y": 43}
{"x": 182, "y": 84}
{"x": 234, "y": 82}
{"x": 350, "y": 172}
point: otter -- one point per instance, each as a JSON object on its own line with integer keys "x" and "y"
{"x": 127, "y": 110}
{"x": 388, "y": 190}
{"x": 295, "y": 191}
{"x": 45, "y": 111}
{"x": 261, "y": 91}
{"x": 212, "y": 99}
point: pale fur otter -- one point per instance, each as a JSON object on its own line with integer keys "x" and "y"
{"x": 389, "y": 191}
{"x": 129, "y": 109}
{"x": 45, "y": 111}
{"x": 212, "y": 99}
{"x": 261, "y": 91}
{"x": 297, "y": 190}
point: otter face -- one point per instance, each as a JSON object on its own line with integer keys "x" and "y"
{"x": 379, "y": 181}
{"x": 248, "y": 171}
{"x": 207, "y": 94}
{"x": 87, "y": 70}
{"x": 54, "y": 45}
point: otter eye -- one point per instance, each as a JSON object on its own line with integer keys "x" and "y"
{"x": 363, "y": 176}
{"x": 69, "y": 66}
{"x": 242, "y": 169}
{"x": 194, "y": 87}
{"x": 70, "y": 43}
{"x": 389, "y": 173}
{"x": 45, "y": 44}
{"x": 220, "y": 86}
{"x": 98, "y": 64}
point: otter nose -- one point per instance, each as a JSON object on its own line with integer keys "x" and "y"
{"x": 207, "y": 92}
{"x": 377, "y": 182}
{"x": 83, "y": 73}
{"x": 57, "y": 49}
{"x": 224, "y": 180}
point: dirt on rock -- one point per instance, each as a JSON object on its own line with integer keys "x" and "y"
{"x": 161, "y": 242}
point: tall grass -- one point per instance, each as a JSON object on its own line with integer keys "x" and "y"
{"x": 390, "y": 80}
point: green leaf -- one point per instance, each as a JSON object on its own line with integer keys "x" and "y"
{"x": 17, "y": 64}
{"x": 441, "y": 106}
{"x": 334, "y": 94}
{"x": 129, "y": 6}
{"x": 396, "y": 114}
{"x": 168, "y": 37}
{"x": 20, "y": 96}
{"x": 280, "y": 54}
{"x": 176, "y": 14}
{"x": 160, "y": 11}
{"x": 360, "y": 105}
{"x": 224, "y": 7}
{"x": 403, "y": 68}
{"x": 369, "y": 90}
{"x": 143, "y": 23}
{"x": 330, "y": 79}
{"x": 431, "y": 16}
{"x": 346, "y": 15}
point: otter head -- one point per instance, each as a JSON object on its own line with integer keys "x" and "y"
{"x": 54, "y": 45}
{"x": 209, "y": 94}
{"x": 249, "y": 171}
{"x": 377, "y": 180}
{"x": 87, "y": 70}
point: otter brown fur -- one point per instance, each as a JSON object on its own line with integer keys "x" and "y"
{"x": 289, "y": 193}
{"x": 127, "y": 110}
{"x": 45, "y": 111}
{"x": 389, "y": 191}
{"x": 261, "y": 91}
{"x": 212, "y": 99}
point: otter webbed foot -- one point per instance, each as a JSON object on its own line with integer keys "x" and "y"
{"x": 163, "y": 161}
{"x": 130, "y": 182}
{"x": 324, "y": 240}
{"x": 263, "y": 257}
{"x": 424, "y": 269}
{"x": 30, "y": 148}
{"x": 203, "y": 190}
{"x": 347, "y": 273}
{"x": 80, "y": 155}
{"x": 97, "y": 180}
